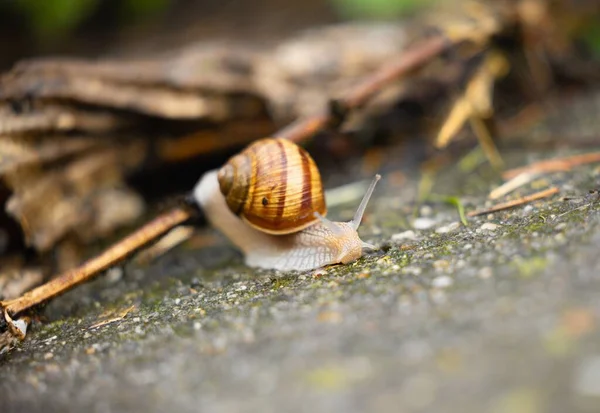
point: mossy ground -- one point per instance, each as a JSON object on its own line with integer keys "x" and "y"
{"x": 499, "y": 318}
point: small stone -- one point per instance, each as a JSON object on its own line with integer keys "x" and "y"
{"x": 560, "y": 226}
{"x": 442, "y": 281}
{"x": 423, "y": 223}
{"x": 197, "y": 325}
{"x": 426, "y": 211}
{"x": 413, "y": 270}
{"x": 333, "y": 317}
{"x": 48, "y": 356}
{"x": 587, "y": 378}
{"x": 448, "y": 228}
{"x": 53, "y": 369}
{"x": 527, "y": 210}
{"x": 485, "y": 273}
{"x": 488, "y": 226}
{"x": 441, "y": 264}
{"x": 195, "y": 283}
{"x": 114, "y": 274}
{"x": 467, "y": 247}
{"x": 403, "y": 236}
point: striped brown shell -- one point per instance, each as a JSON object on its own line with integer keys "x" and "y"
{"x": 274, "y": 185}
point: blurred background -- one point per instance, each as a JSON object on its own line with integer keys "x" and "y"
{"x": 93, "y": 27}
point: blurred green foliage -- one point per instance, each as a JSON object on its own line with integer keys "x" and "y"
{"x": 51, "y": 19}
{"x": 379, "y": 9}
{"x": 591, "y": 38}
{"x": 143, "y": 7}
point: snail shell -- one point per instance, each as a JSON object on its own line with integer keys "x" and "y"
{"x": 313, "y": 247}
{"x": 274, "y": 185}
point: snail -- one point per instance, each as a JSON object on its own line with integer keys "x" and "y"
{"x": 268, "y": 200}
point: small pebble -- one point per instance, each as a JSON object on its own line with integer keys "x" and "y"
{"x": 448, "y": 228}
{"x": 488, "y": 226}
{"x": 114, "y": 274}
{"x": 406, "y": 235}
{"x": 426, "y": 211}
{"x": 441, "y": 264}
{"x": 560, "y": 226}
{"x": 195, "y": 283}
{"x": 48, "y": 356}
{"x": 442, "y": 281}
{"x": 485, "y": 273}
{"x": 413, "y": 270}
{"x": 587, "y": 378}
{"x": 423, "y": 223}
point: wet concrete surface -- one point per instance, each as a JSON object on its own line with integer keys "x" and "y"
{"x": 498, "y": 316}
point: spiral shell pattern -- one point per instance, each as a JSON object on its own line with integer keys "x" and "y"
{"x": 274, "y": 185}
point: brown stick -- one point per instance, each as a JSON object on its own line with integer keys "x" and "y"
{"x": 517, "y": 202}
{"x": 554, "y": 165}
{"x": 61, "y": 284}
{"x": 409, "y": 61}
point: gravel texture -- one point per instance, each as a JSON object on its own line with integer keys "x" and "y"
{"x": 499, "y": 316}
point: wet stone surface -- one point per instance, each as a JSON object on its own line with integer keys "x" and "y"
{"x": 499, "y": 316}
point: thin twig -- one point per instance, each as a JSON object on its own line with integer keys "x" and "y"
{"x": 409, "y": 61}
{"x": 61, "y": 284}
{"x": 554, "y": 165}
{"x": 512, "y": 184}
{"x": 517, "y": 202}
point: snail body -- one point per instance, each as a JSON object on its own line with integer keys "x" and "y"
{"x": 307, "y": 240}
